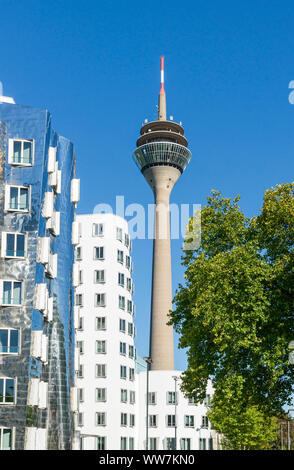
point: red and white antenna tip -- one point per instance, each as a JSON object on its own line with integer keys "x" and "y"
{"x": 162, "y": 74}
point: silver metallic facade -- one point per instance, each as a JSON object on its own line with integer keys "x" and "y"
{"x": 34, "y": 125}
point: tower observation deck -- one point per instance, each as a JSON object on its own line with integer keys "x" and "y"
{"x": 162, "y": 156}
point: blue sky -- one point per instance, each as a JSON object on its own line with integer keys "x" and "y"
{"x": 95, "y": 66}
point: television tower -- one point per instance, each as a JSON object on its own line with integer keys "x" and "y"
{"x": 161, "y": 155}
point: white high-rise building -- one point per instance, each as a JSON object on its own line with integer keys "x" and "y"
{"x": 105, "y": 337}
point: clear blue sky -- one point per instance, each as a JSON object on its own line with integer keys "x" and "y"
{"x": 95, "y": 66}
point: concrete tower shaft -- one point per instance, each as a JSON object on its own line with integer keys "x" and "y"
{"x": 162, "y": 156}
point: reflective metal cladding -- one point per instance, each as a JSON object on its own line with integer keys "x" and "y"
{"x": 36, "y": 331}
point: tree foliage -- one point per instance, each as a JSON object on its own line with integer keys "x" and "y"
{"x": 235, "y": 311}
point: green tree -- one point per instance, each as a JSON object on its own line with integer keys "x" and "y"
{"x": 235, "y": 312}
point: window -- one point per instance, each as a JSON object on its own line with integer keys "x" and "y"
{"x": 12, "y": 293}
{"x": 120, "y": 256}
{"x": 81, "y": 324}
{"x": 189, "y": 421}
{"x": 152, "y": 421}
{"x": 7, "y": 390}
{"x": 123, "y": 419}
{"x": 80, "y": 419}
{"x": 132, "y": 420}
{"x": 80, "y": 345}
{"x": 101, "y": 370}
{"x": 123, "y": 372}
{"x": 153, "y": 443}
{"x": 100, "y": 323}
{"x": 129, "y": 284}
{"x": 100, "y": 300}
{"x": 152, "y": 398}
{"x": 80, "y": 372}
{"x": 123, "y": 395}
{"x": 131, "y": 374}
{"x": 210, "y": 443}
{"x": 79, "y": 300}
{"x": 98, "y": 230}
{"x": 81, "y": 395}
{"x": 9, "y": 341}
{"x": 101, "y": 443}
{"x": 80, "y": 276}
{"x": 121, "y": 302}
{"x": 123, "y": 443}
{"x": 101, "y": 394}
{"x": 99, "y": 276}
{"x": 171, "y": 398}
{"x": 132, "y": 397}
{"x": 171, "y": 421}
{"x": 191, "y": 401}
{"x": 128, "y": 262}
{"x": 20, "y": 152}
{"x": 202, "y": 444}
{"x": 18, "y": 198}
{"x": 122, "y": 348}
{"x": 6, "y": 435}
{"x": 207, "y": 400}
{"x": 99, "y": 252}
{"x": 130, "y": 306}
{"x": 122, "y": 325}
{"x": 170, "y": 443}
{"x": 119, "y": 234}
{"x": 185, "y": 444}
{"x": 100, "y": 347}
{"x": 121, "y": 279}
{"x": 127, "y": 239}
{"x": 204, "y": 422}
{"x": 131, "y": 351}
{"x": 100, "y": 418}
{"x": 14, "y": 245}
{"x": 131, "y": 443}
{"x": 130, "y": 329}
{"x": 79, "y": 253}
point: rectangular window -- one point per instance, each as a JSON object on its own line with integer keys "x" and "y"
{"x": 191, "y": 401}
{"x": 131, "y": 351}
{"x": 100, "y": 323}
{"x": 152, "y": 398}
{"x": 101, "y": 370}
{"x": 99, "y": 252}
{"x": 7, "y": 390}
{"x": 131, "y": 374}
{"x": 171, "y": 398}
{"x": 80, "y": 345}
{"x": 12, "y": 293}
{"x": 185, "y": 444}
{"x": 14, "y": 244}
{"x": 127, "y": 239}
{"x": 202, "y": 444}
{"x": 21, "y": 151}
{"x": 80, "y": 276}
{"x": 123, "y": 372}
{"x": 131, "y": 443}
{"x": 81, "y": 395}
{"x": 79, "y": 300}
{"x": 210, "y": 443}
{"x": 80, "y": 419}
{"x": 18, "y": 198}
{"x": 128, "y": 262}
{"x": 130, "y": 329}
{"x": 132, "y": 397}
{"x": 100, "y": 300}
{"x": 99, "y": 276}
{"x": 98, "y": 230}
{"x": 130, "y": 306}
{"x": 171, "y": 421}
{"x": 100, "y": 347}
{"x": 204, "y": 422}
{"x": 132, "y": 420}
{"x": 122, "y": 325}
{"x": 122, "y": 348}
{"x": 80, "y": 372}
{"x": 79, "y": 253}
{"x": 101, "y": 443}
{"x": 123, "y": 419}
{"x": 119, "y": 234}
{"x": 9, "y": 341}
{"x": 6, "y": 435}
{"x": 189, "y": 421}
{"x": 121, "y": 302}
{"x": 100, "y": 418}
{"x": 129, "y": 284}
{"x": 121, "y": 279}
{"x": 207, "y": 400}
{"x": 170, "y": 443}
{"x": 152, "y": 421}
{"x": 123, "y": 443}
{"x": 81, "y": 324}
{"x": 123, "y": 395}
{"x": 120, "y": 256}
{"x": 101, "y": 394}
{"x": 153, "y": 443}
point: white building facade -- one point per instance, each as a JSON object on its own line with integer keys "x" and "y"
{"x": 105, "y": 337}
